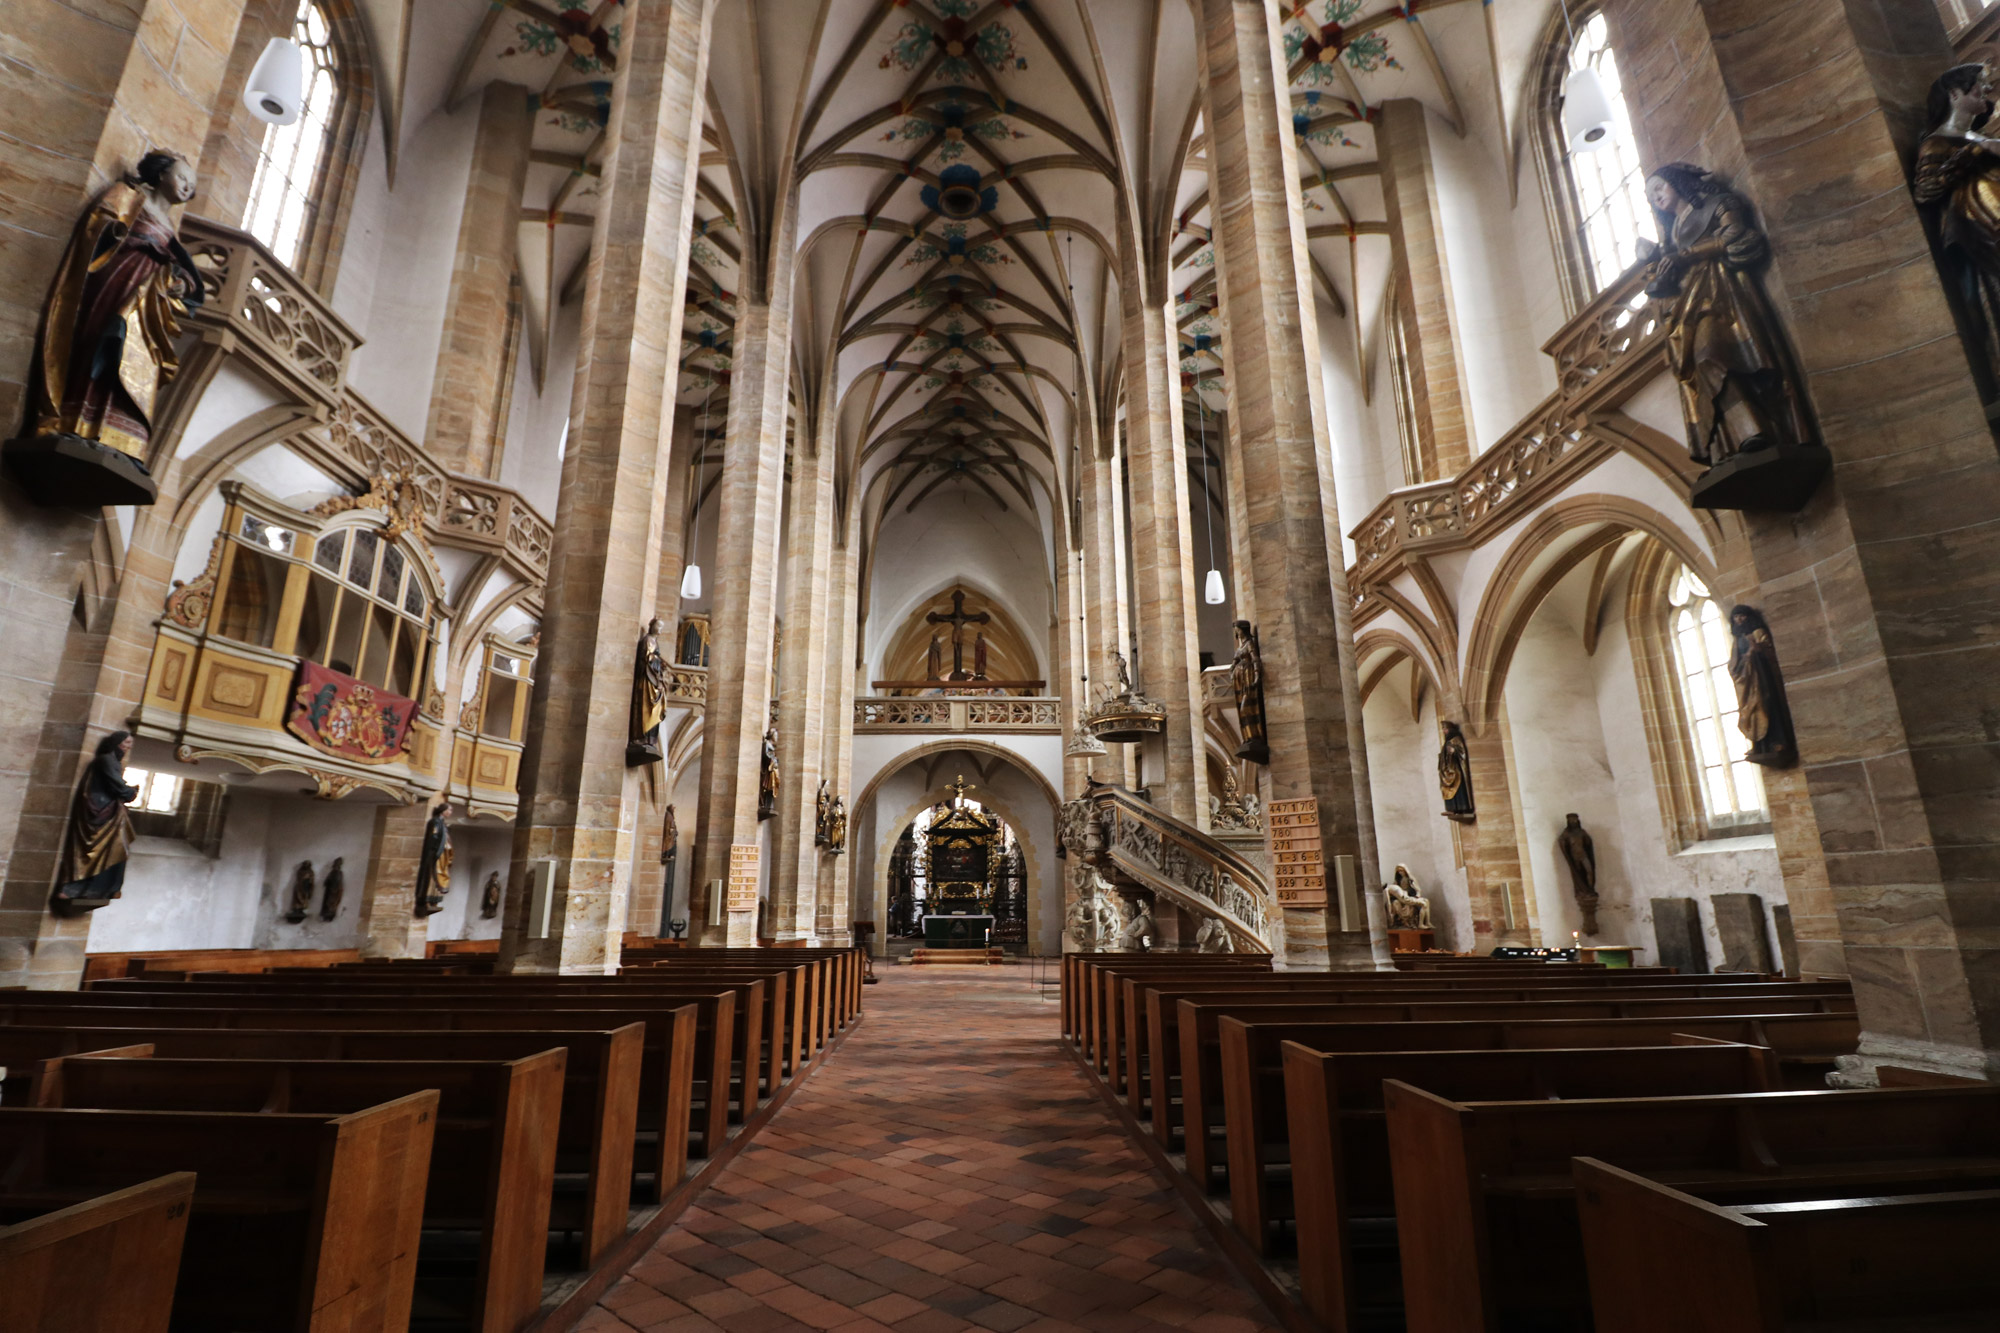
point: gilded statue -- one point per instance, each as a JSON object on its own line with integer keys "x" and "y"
{"x": 434, "y": 862}
{"x": 1579, "y": 853}
{"x": 100, "y": 831}
{"x": 1404, "y": 901}
{"x": 1246, "y": 674}
{"x": 1740, "y": 390}
{"x": 1958, "y": 182}
{"x": 836, "y": 828}
{"x": 824, "y": 806}
{"x": 670, "y": 849}
{"x": 1455, "y": 776}
{"x": 767, "y": 776}
{"x": 1762, "y": 713}
{"x": 106, "y": 343}
{"x": 649, "y": 698}
{"x": 333, "y": 889}
{"x": 489, "y": 897}
{"x": 304, "y": 885}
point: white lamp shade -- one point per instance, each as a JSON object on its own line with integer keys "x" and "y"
{"x": 275, "y": 91}
{"x": 690, "y": 583}
{"x": 1214, "y": 593}
{"x": 1586, "y": 117}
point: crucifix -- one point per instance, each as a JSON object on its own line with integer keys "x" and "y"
{"x": 959, "y": 789}
{"x": 958, "y": 620}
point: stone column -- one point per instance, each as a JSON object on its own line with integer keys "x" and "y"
{"x": 1169, "y": 666}
{"x": 1423, "y": 279}
{"x": 802, "y": 680}
{"x": 390, "y": 926}
{"x": 1491, "y": 847}
{"x": 835, "y": 918}
{"x": 99, "y": 89}
{"x": 746, "y": 563}
{"x": 1879, "y": 593}
{"x": 473, "y": 372}
{"x": 1107, "y": 628}
{"x": 578, "y": 798}
{"x": 650, "y": 890}
{"x": 1271, "y": 354}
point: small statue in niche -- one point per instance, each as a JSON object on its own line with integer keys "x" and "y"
{"x": 1579, "y": 852}
{"x": 1404, "y": 901}
{"x": 1229, "y": 812}
{"x": 934, "y": 659}
{"x": 333, "y": 889}
{"x": 767, "y": 777}
{"x": 1958, "y": 182}
{"x": 434, "y": 863}
{"x": 1213, "y": 937}
{"x": 100, "y": 831}
{"x": 303, "y": 888}
{"x": 1762, "y": 713}
{"x": 836, "y": 828}
{"x": 1455, "y": 776}
{"x": 1741, "y": 394}
{"x": 649, "y": 699}
{"x": 824, "y": 802}
{"x": 106, "y": 344}
{"x": 1246, "y": 673}
{"x": 489, "y": 897}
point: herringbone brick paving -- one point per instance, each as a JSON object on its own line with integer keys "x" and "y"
{"x": 948, "y": 1168}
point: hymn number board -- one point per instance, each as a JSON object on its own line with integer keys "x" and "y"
{"x": 1298, "y": 862}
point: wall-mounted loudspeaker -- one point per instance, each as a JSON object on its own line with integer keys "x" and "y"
{"x": 276, "y": 89}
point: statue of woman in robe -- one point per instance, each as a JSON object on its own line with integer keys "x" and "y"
{"x": 107, "y": 338}
{"x": 100, "y": 831}
{"x": 670, "y": 849}
{"x": 1246, "y": 674}
{"x": 649, "y": 699}
{"x": 1579, "y": 852}
{"x": 836, "y": 828}
{"x": 1455, "y": 776}
{"x": 489, "y": 897}
{"x": 1405, "y": 904}
{"x": 1958, "y": 179}
{"x": 767, "y": 777}
{"x": 333, "y": 890}
{"x": 303, "y": 886}
{"x": 824, "y": 804}
{"x": 1739, "y": 389}
{"x": 434, "y": 863}
{"x": 1762, "y": 713}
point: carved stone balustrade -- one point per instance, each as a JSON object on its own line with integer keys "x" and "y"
{"x": 1606, "y": 353}
{"x": 688, "y": 686}
{"x": 1110, "y": 827}
{"x": 256, "y": 308}
{"x": 877, "y": 715}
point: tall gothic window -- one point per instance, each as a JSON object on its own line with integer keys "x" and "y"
{"x": 1596, "y": 198}
{"x": 1732, "y": 791}
{"x": 285, "y": 195}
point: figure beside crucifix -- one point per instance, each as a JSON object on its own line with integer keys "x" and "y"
{"x": 958, "y": 620}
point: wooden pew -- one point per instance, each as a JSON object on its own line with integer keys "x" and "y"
{"x": 1200, "y": 1043}
{"x": 600, "y": 1099}
{"x": 1485, "y": 1198}
{"x": 1901, "y": 1261}
{"x": 106, "y": 1265}
{"x": 680, "y": 1038}
{"x": 1151, "y": 1006}
{"x": 492, "y": 1163}
{"x": 1329, "y": 1133}
{"x": 1078, "y": 981}
{"x": 26, "y": 1056}
{"x": 299, "y": 1222}
{"x": 97, "y": 966}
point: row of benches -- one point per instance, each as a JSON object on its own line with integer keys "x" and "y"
{"x": 1440, "y": 1147}
{"x": 369, "y": 1139}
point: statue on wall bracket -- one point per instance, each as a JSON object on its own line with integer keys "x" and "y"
{"x": 1455, "y": 776}
{"x": 768, "y": 779}
{"x": 649, "y": 698}
{"x": 1763, "y": 714}
{"x": 100, "y": 832}
{"x": 106, "y": 344}
{"x": 1958, "y": 186}
{"x": 1741, "y": 393}
{"x": 1579, "y": 853}
{"x": 1246, "y": 674}
{"x": 434, "y": 863}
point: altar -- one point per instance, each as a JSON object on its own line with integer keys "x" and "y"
{"x": 958, "y": 930}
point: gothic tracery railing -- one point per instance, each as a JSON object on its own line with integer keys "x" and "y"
{"x": 948, "y": 714}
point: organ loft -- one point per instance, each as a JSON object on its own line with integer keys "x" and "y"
{"x": 1023, "y": 664}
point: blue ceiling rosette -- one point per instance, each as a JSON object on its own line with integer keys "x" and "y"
{"x": 959, "y": 195}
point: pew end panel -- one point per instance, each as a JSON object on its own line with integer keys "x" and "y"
{"x": 107, "y": 1265}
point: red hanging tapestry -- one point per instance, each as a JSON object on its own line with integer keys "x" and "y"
{"x": 351, "y": 718}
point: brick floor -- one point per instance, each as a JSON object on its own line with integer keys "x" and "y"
{"x": 949, "y": 1168}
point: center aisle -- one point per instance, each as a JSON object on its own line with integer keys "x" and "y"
{"x": 947, "y": 1168}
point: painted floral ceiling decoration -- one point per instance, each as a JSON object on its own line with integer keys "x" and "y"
{"x": 1330, "y": 42}
{"x": 946, "y": 44}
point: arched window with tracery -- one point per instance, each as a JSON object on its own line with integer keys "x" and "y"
{"x": 1596, "y": 196}
{"x": 285, "y": 195}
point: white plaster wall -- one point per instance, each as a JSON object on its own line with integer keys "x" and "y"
{"x": 477, "y": 851}
{"x": 957, "y": 536}
{"x": 303, "y": 829}
{"x": 874, "y": 754}
{"x": 532, "y": 462}
{"x": 1410, "y": 828}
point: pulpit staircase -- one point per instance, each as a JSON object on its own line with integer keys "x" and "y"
{"x": 1111, "y": 831}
